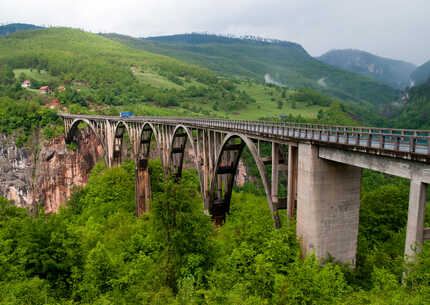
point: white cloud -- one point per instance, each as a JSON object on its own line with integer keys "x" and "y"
{"x": 391, "y": 28}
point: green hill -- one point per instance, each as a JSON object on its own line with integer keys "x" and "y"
{"x": 15, "y": 27}
{"x": 421, "y": 74}
{"x": 113, "y": 77}
{"x": 111, "y": 70}
{"x": 414, "y": 110}
{"x": 394, "y": 73}
{"x": 280, "y": 62}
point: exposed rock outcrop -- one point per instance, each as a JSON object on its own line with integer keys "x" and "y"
{"x": 46, "y": 175}
{"x": 16, "y": 172}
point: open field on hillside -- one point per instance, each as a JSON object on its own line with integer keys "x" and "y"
{"x": 41, "y": 75}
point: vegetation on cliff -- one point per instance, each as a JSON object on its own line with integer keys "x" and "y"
{"x": 414, "y": 111}
{"x": 95, "y": 251}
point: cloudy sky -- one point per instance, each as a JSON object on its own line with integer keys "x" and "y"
{"x": 397, "y": 29}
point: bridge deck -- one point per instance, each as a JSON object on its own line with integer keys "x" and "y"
{"x": 398, "y": 143}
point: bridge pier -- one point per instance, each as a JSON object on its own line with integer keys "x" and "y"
{"x": 328, "y": 206}
{"x": 143, "y": 187}
{"x": 292, "y": 180}
{"x": 416, "y": 214}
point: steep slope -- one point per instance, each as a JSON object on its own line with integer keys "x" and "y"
{"x": 15, "y": 27}
{"x": 391, "y": 72}
{"x": 276, "y": 61}
{"x": 415, "y": 108}
{"x": 110, "y": 70}
{"x": 421, "y": 74}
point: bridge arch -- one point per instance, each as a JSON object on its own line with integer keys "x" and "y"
{"x": 94, "y": 129}
{"x": 181, "y": 135}
{"x": 145, "y": 137}
{"x": 142, "y": 154}
{"x": 120, "y": 128}
{"x": 221, "y": 186}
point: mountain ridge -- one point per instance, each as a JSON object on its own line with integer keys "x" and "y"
{"x": 421, "y": 74}
{"x": 286, "y": 63}
{"x": 11, "y": 28}
{"x": 395, "y": 73}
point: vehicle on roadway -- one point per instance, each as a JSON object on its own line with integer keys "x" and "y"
{"x": 126, "y": 114}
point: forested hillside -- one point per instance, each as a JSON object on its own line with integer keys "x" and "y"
{"x": 95, "y": 251}
{"x": 103, "y": 76}
{"x": 15, "y": 27}
{"x": 421, "y": 74}
{"x": 279, "y": 62}
{"x": 394, "y": 73}
{"x": 414, "y": 111}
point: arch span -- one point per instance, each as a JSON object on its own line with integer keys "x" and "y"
{"x": 94, "y": 129}
{"x": 221, "y": 186}
{"x": 145, "y": 137}
{"x": 142, "y": 178}
{"x": 181, "y": 135}
{"x": 120, "y": 128}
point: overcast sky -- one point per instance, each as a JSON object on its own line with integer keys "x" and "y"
{"x": 397, "y": 29}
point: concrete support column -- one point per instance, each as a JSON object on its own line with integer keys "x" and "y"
{"x": 110, "y": 137}
{"x": 206, "y": 181}
{"x": 292, "y": 180}
{"x": 275, "y": 182}
{"x": 143, "y": 187}
{"x": 416, "y": 215}
{"x": 328, "y": 206}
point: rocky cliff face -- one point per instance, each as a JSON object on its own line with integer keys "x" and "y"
{"x": 46, "y": 175}
{"x": 16, "y": 172}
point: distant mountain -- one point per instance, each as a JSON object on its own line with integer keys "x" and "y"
{"x": 15, "y": 27}
{"x": 280, "y": 62}
{"x": 395, "y": 73}
{"x": 421, "y": 74}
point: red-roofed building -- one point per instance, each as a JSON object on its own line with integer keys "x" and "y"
{"x": 26, "y": 84}
{"x": 61, "y": 88}
{"x": 44, "y": 90}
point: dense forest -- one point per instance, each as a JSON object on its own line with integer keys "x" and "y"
{"x": 95, "y": 251}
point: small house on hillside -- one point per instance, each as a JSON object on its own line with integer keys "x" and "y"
{"x": 26, "y": 84}
{"x": 61, "y": 88}
{"x": 44, "y": 90}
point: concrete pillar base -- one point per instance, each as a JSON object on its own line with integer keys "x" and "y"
{"x": 328, "y": 206}
{"x": 416, "y": 214}
{"x": 143, "y": 187}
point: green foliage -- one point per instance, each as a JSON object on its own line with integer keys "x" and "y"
{"x": 415, "y": 111}
{"x": 183, "y": 230}
{"x": 421, "y": 74}
{"x": 24, "y": 117}
{"x": 311, "y": 97}
{"x": 95, "y": 251}
{"x": 310, "y": 283}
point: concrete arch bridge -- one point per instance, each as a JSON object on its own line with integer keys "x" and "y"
{"x": 323, "y": 166}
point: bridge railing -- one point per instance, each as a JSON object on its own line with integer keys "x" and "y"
{"x": 398, "y": 140}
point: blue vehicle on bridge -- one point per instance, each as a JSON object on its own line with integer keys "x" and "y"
{"x": 126, "y": 114}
